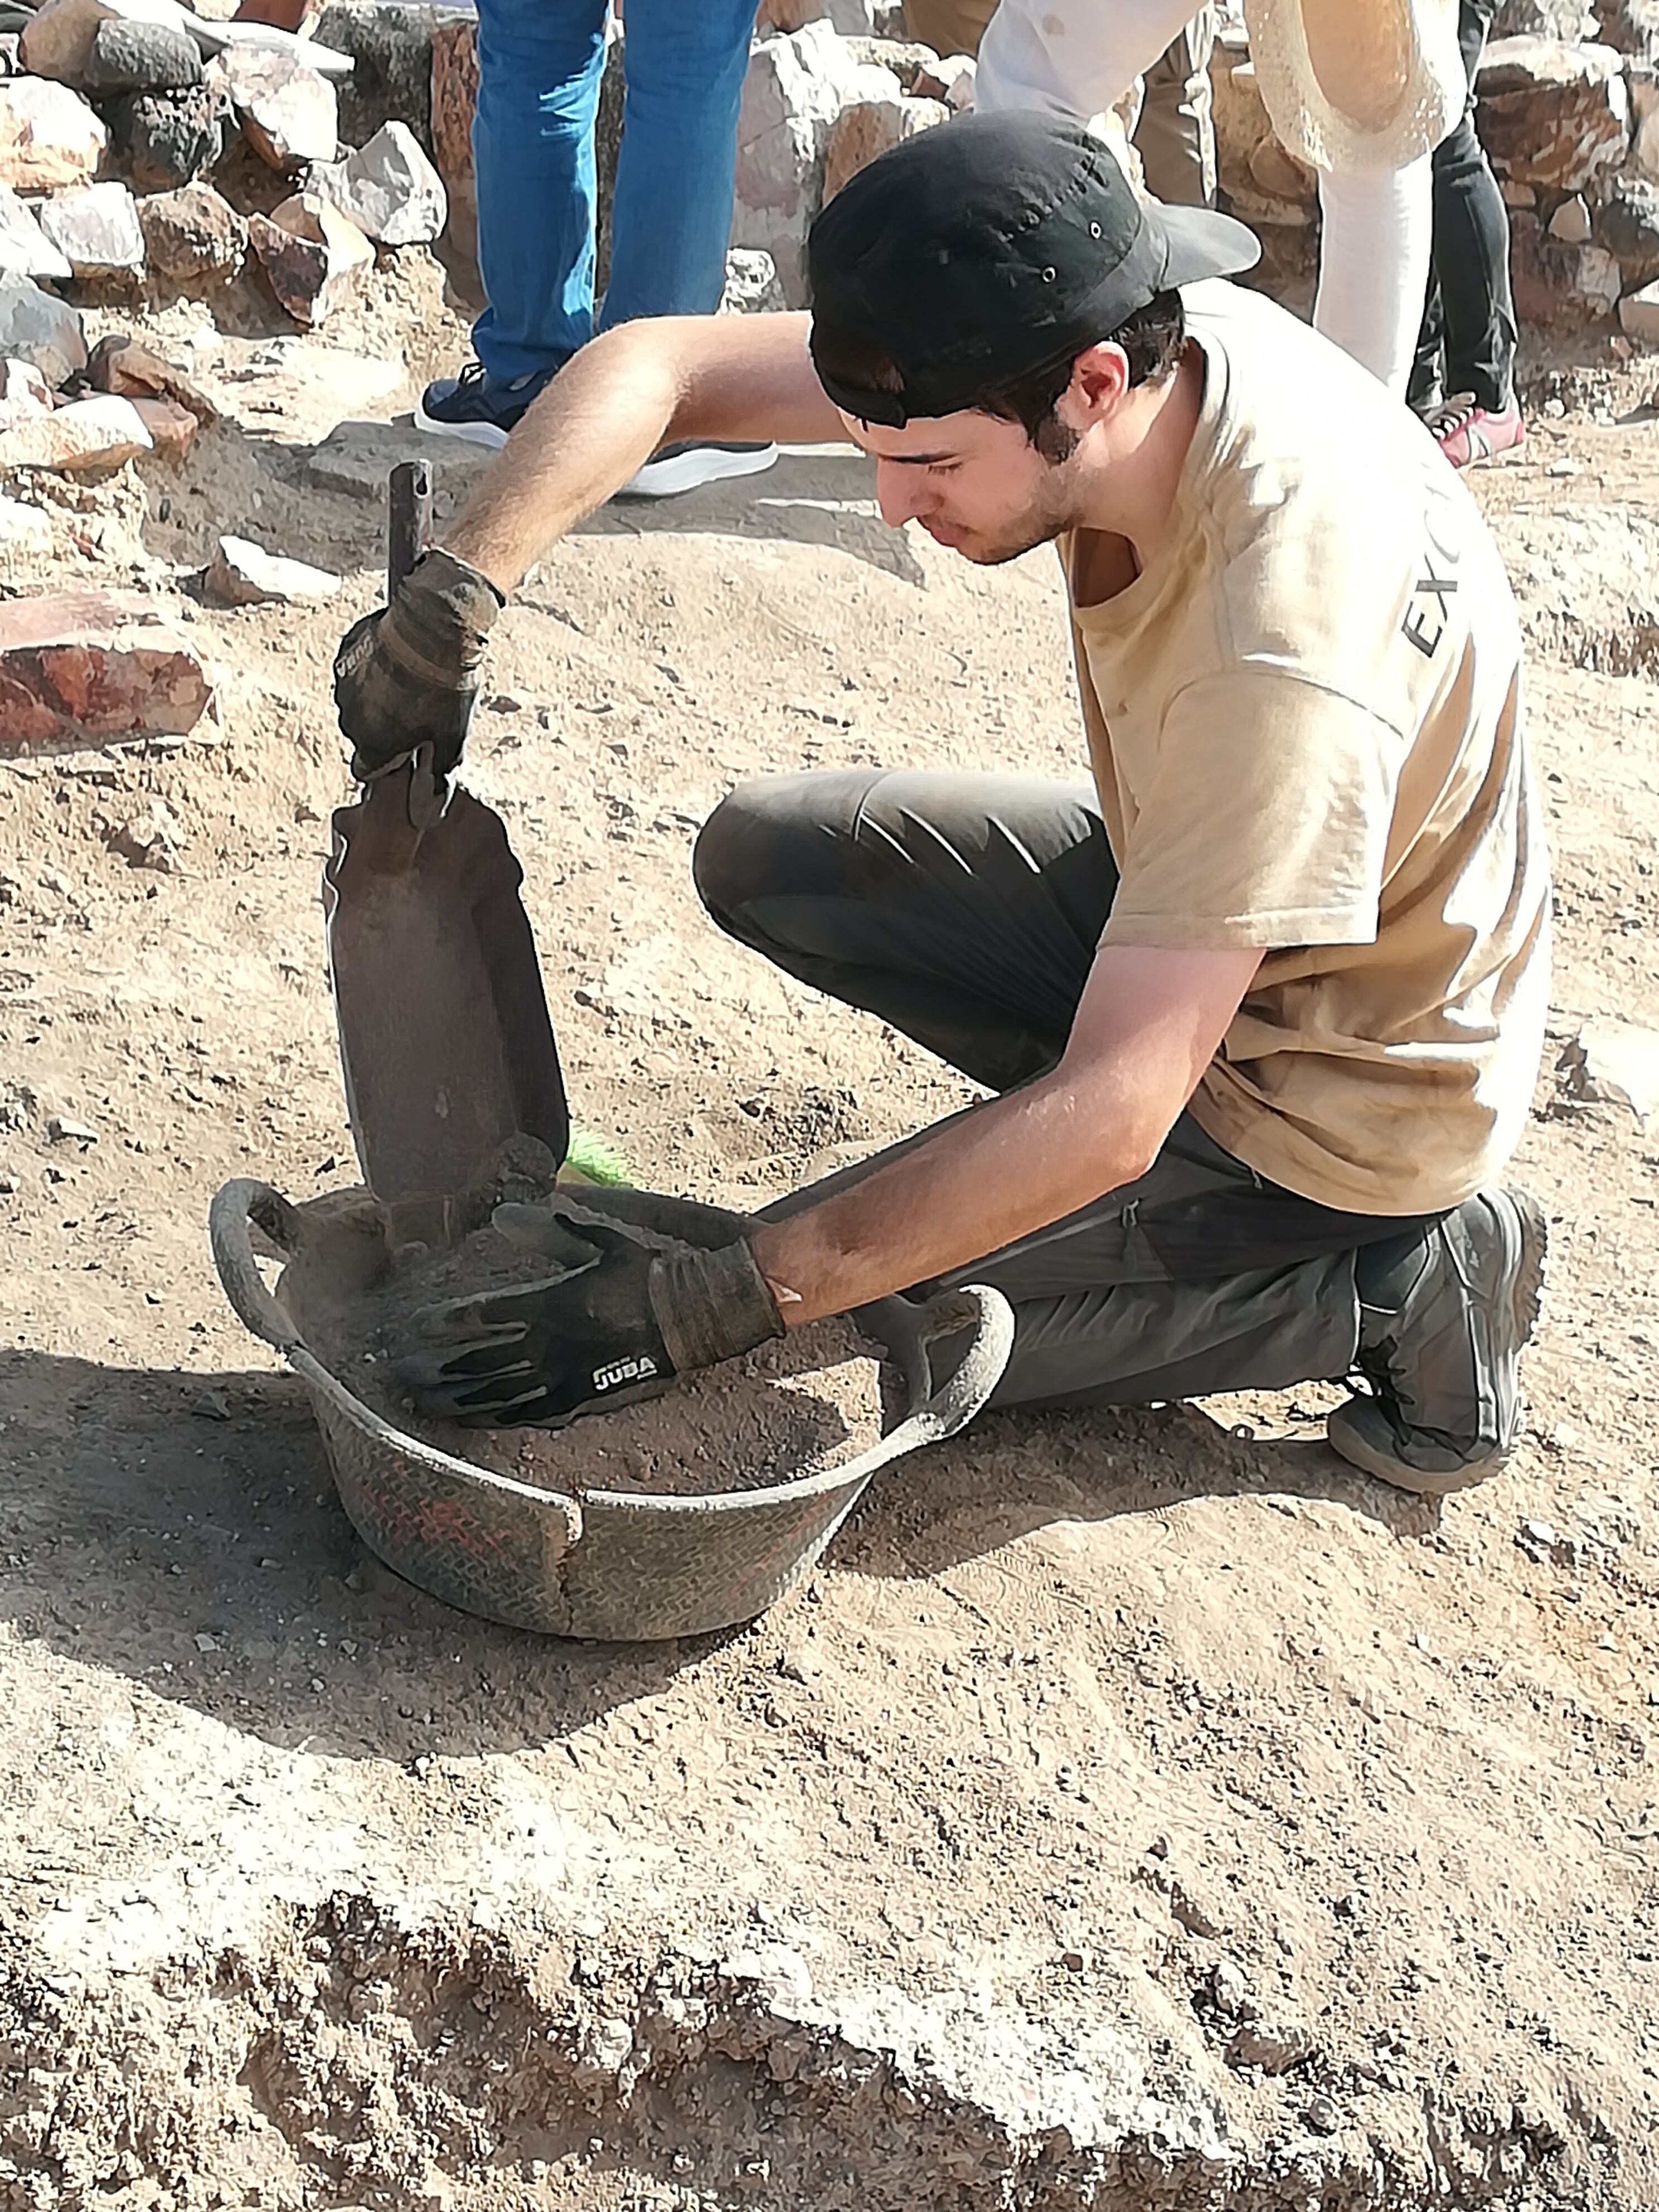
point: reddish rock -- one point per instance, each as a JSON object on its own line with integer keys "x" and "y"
{"x": 95, "y": 665}
{"x": 1552, "y": 115}
{"x": 455, "y": 95}
{"x": 310, "y": 254}
{"x": 122, "y": 364}
{"x": 870, "y": 127}
{"x": 192, "y": 233}
{"x": 951, "y": 79}
{"x": 172, "y": 428}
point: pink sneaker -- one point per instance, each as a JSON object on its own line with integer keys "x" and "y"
{"x": 1466, "y": 432}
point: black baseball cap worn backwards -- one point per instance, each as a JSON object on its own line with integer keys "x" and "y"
{"x": 986, "y": 250}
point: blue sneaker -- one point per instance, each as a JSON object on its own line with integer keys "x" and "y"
{"x": 474, "y": 406}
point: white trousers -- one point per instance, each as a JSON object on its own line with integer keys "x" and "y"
{"x": 1079, "y": 58}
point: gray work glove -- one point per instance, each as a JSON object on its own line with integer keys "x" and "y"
{"x": 407, "y": 675}
{"x": 624, "y": 1313}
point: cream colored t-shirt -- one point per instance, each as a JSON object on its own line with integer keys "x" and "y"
{"x": 1306, "y": 724}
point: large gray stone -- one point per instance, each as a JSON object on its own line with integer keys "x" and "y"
{"x": 96, "y": 229}
{"x": 355, "y": 457}
{"x": 128, "y": 56}
{"x": 25, "y": 251}
{"x": 1557, "y": 284}
{"x": 167, "y": 139}
{"x": 58, "y": 39}
{"x": 391, "y": 82}
{"x": 388, "y": 188}
{"x": 289, "y": 113}
{"x": 1627, "y": 224}
{"x": 38, "y": 326}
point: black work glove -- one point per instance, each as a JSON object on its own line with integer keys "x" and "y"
{"x": 627, "y": 1311}
{"x": 407, "y": 675}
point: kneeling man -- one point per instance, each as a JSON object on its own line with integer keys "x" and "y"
{"x": 1263, "y": 1005}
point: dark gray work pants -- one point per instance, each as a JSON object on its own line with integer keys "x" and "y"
{"x": 965, "y": 911}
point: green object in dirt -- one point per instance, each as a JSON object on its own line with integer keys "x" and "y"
{"x": 595, "y": 1161}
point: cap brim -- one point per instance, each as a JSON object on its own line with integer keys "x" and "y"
{"x": 1199, "y": 243}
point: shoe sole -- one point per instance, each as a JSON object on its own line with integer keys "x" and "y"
{"x": 687, "y": 472}
{"x": 1488, "y": 456}
{"x": 1527, "y": 1290}
{"x": 471, "y": 434}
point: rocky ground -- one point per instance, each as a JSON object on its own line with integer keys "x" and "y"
{"x": 1136, "y": 1808}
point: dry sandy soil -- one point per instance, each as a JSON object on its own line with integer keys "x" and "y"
{"x": 1136, "y": 1809}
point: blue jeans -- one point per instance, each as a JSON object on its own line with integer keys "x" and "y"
{"x": 539, "y": 66}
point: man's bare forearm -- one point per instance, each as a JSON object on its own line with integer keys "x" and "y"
{"x": 642, "y": 386}
{"x": 604, "y": 415}
{"x": 1147, "y": 1025}
{"x": 980, "y": 1180}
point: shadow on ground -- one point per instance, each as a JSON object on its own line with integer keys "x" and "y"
{"x": 181, "y": 1529}
{"x": 1024, "y": 1469}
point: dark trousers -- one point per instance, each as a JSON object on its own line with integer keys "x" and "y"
{"x": 1466, "y": 343}
{"x": 965, "y": 909}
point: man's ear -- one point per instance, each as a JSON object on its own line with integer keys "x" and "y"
{"x": 1100, "y": 377}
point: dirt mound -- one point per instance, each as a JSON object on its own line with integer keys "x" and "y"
{"x": 799, "y": 1407}
{"x": 1137, "y": 1810}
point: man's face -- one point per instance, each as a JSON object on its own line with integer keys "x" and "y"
{"x": 974, "y": 483}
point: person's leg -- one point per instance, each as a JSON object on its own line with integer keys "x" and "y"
{"x": 1472, "y": 256}
{"x": 965, "y": 911}
{"x": 1426, "y": 388}
{"x": 1074, "y": 58}
{"x": 671, "y": 214}
{"x": 1175, "y": 136}
{"x": 539, "y": 64}
{"x": 1374, "y": 258}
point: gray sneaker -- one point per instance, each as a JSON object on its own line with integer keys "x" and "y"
{"x": 1443, "y": 1319}
{"x": 674, "y": 469}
